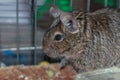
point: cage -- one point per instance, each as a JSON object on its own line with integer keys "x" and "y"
{"x": 23, "y": 23}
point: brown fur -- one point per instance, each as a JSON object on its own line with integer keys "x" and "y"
{"x": 96, "y": 45}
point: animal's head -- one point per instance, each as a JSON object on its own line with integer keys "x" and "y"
{"x": 64, "y": 33}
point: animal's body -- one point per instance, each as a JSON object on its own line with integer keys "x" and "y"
{"x": 88, "y": 41}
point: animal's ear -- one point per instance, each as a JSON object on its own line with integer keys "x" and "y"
{"x": 69, "y": 22}
{"x": 55, "y": 11}
{"x": 67, "y": 19}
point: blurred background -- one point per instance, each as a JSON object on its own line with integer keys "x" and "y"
{"x": 23, "y": 23}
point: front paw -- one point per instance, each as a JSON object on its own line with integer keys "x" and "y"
{"x": 63, "y": 63}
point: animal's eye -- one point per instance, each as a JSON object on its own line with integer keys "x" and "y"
{"x": 58, "y": 37}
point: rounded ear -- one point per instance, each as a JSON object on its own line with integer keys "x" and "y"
{"x": 55, "y": 22}
{"x": 54, "y": 11}
{"x": 69, "y": 22}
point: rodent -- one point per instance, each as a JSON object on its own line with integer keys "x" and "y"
{"x": 87, "y": 41}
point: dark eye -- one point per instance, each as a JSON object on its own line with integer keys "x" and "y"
{"x": 58, "y": 37}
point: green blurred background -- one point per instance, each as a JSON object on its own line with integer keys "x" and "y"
{"x": 65, "y": 5}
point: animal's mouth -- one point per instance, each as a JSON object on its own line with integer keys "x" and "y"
{"x": 52, "y": 54}
{"x": 55, "y": 55}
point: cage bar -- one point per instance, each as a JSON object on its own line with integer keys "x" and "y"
{"x": 118, "y": 3}
{"x": 35, "y": 32}
{"x": 22, "y": 48}
{"x": 71, "y": 5}
{"x": 17, "y": 31}
{"x": 54, "y": 2}
{"x": 105, "y": 3}
{"x": 88, "y": 5}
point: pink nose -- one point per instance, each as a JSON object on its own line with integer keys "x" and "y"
{"x": 46, "y": 50}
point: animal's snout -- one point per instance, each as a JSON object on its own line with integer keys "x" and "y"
{"x": 46, "y": 50}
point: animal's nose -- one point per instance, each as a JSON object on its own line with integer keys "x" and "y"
{"x": 46, "y": 50}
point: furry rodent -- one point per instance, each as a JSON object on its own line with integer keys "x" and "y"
{"x": 87, "y": 41}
